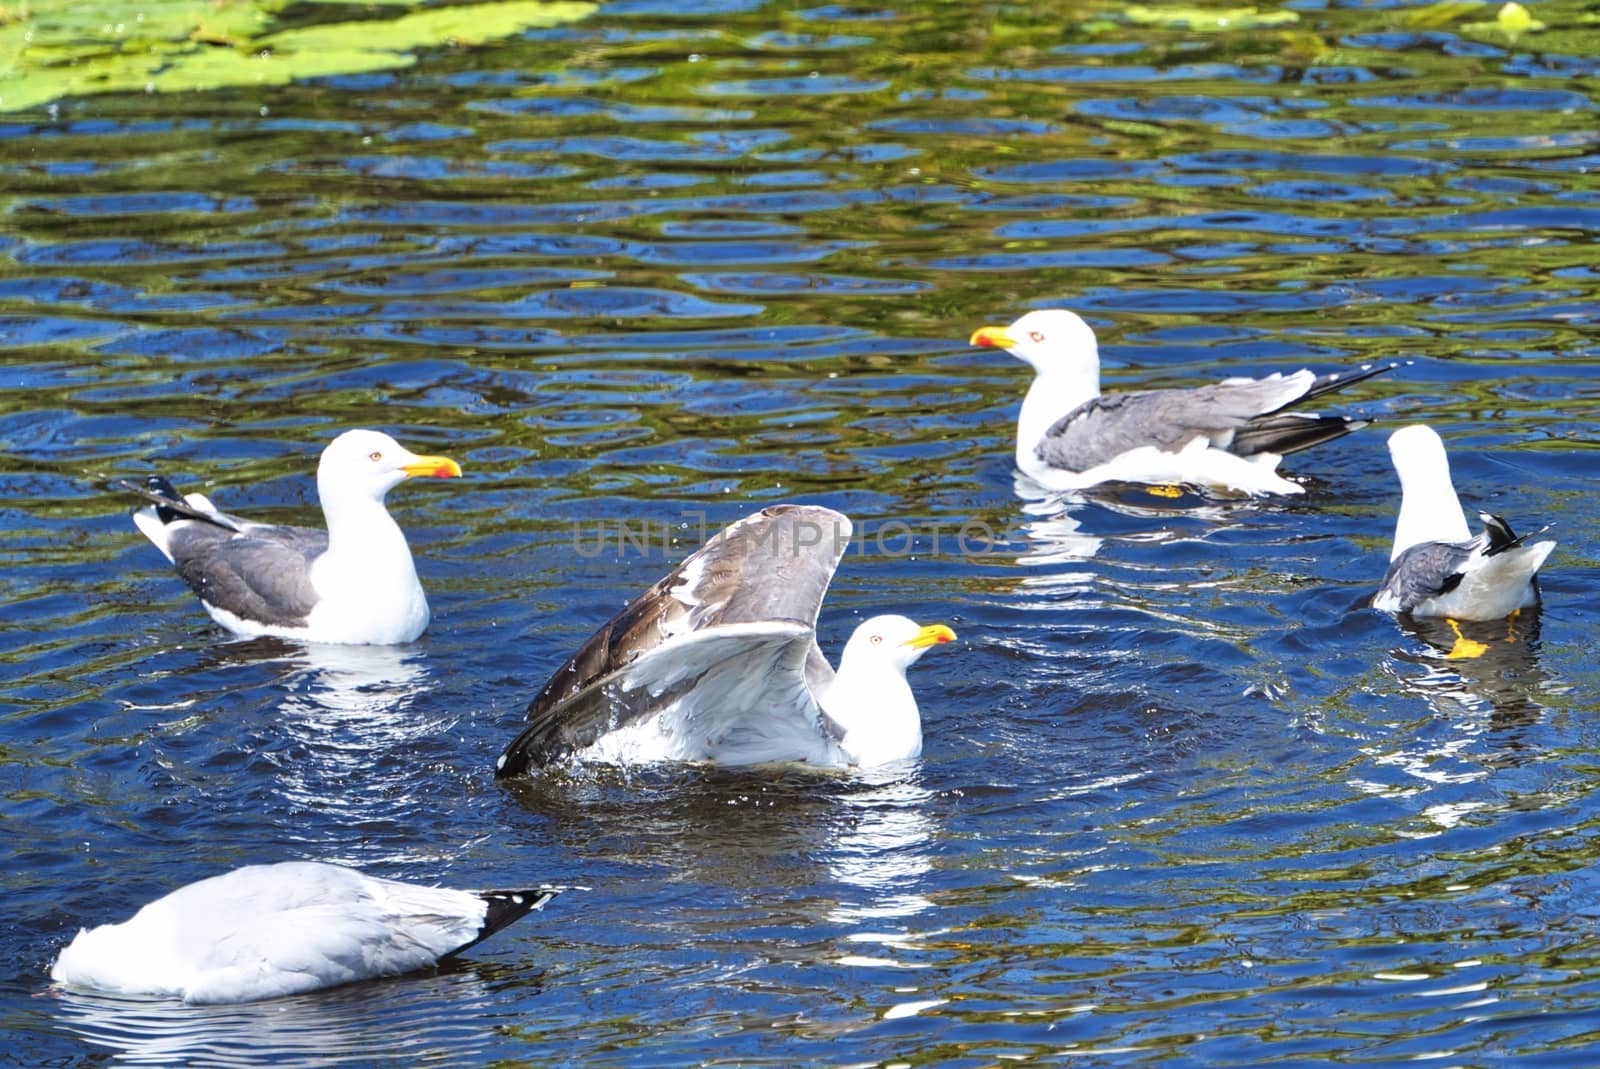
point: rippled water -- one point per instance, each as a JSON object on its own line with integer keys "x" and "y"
{"x": 1184, "y": 800}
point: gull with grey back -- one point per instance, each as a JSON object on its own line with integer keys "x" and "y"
{"x": 1437, "y": 568}
{"x": 354, "y": 582}
{"x": 1228, "y": 435}
{"x": 718, "y": 662}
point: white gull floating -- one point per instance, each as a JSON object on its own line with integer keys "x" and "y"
{"x": 719, "y": 662}
{"x": 264, "y": 931}
{"x": 1229, "y": 435}
{"x": 353, "y": 583}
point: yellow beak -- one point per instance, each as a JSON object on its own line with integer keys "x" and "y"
{"x": 438, "y": 467}
{"x": 991, "y": 338}
{"x": 931, "y": 635}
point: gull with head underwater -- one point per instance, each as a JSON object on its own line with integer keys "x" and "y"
{"x": 1437, "y": 568}
{"x": 265, "y": 931}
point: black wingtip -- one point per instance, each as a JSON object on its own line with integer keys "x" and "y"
{"x": 1500, "y": 535}
{"x": 516, "y": 759}
{"x": 158, "y": 490}
{"x": 508, "y": 907}
{"x": 1341, "y": 380}
{"x": 171, "y": 505}
{"x": 159, "y": 484}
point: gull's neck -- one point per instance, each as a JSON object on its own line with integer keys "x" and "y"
{"x": 1429, "y": 511}
{"x": 874, "y": 706}
{"x": 1054, "y": 393}
{"x": 367, "y": 573}
{"x": 361, "y": 528}
{"x": 366, "y": 581}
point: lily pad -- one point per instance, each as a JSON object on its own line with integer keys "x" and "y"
{"x": 55, "y": 48}
{"x": 1205, "y": 20}
{"x": 1442, "y": 13}
{"x": 1512, "y": 22}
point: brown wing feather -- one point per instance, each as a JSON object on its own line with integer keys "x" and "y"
{"x": 774, "y": 566}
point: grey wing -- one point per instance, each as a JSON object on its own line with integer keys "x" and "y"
{"x": 1424, "y": 571}
{"x": 262, "y": 573}
{"x": 772, "y": 567}
{"x": 1103, "y": 428}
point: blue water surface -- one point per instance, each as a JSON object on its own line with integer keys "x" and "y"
{"x": 1185, "y": 799}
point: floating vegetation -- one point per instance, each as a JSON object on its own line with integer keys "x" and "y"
{"x": 1513, "y": 20}
{"x": 55, "y": 48}
{"x": 1203, "y": 20}
{"x": 1510, "y": 22}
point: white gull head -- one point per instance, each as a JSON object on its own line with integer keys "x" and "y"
{"x": 1065, "y": 357}
{"x": 1053, "y": 341}
{"x": 365, "y": 465}
{"x": 869, "y": 698}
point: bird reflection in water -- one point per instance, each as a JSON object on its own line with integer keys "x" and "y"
{"x": 1054, "y": 524}
{"x": 1054, "y": 536}
{"x": 1477, "y": 668}
{"x": 348, "y": 715}
{"x": 887, "y": 852}
{"x": 423, "y": 1019}
{"x": 353, "y": 682}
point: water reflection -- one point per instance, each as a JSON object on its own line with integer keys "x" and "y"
{"x": 751, "y": 828}
{"x": 332, "y": 684}
{"x": 1058, "y": 525}
{"x": 348, "y": 711}
{"x": 339, "y": 727}
{"x": 1485, "y": 671}
{"x": 725, "y": 827}
{"x": 887, "y": 850}
{"x": 1055, "y": 535}
{"x": 1482, "y": 682}
{"x": 427, "y": 1019}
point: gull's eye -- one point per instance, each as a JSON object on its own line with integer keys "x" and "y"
{"x": 876, "y": 639}
{"x": 374, "y": 456}
{"x": 1036, "y": 335}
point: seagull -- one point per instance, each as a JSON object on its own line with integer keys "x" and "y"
{"x": 1228, "y": 435}
{"x": 264, "y": 931}
{"x": 1437, "y": 568}
{"x": 353, "y": 583}
{"x": 718, "y": 662}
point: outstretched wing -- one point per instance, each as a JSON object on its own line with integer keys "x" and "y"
{"x": 734, "y": 694}
{"x": 758, "y": 584}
